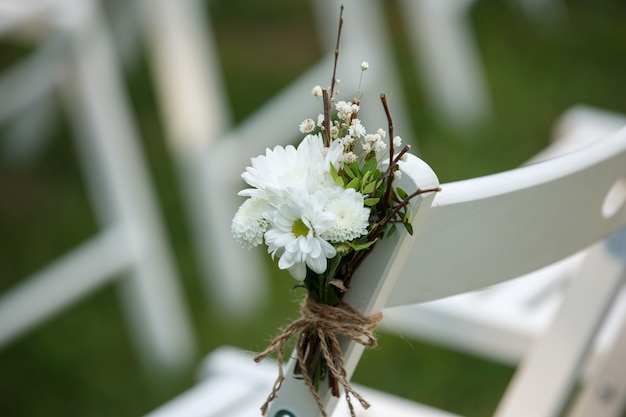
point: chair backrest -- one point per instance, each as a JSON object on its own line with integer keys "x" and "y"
{"x": 482, "y": 231}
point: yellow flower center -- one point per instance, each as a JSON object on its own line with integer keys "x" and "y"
{"x": 299, "y": 228}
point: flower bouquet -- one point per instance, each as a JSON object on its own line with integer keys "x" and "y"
{"x": 320, "y": 208}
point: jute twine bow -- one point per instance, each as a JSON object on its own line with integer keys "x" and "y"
{"x": 327, "y": 323}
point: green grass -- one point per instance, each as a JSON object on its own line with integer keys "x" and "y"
{"x": 81, "y": 362}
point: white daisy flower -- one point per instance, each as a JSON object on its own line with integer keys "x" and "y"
{"x": 250, "y": 223}
{"x": 351, "y": 216}
{"x": 295, "y": 232}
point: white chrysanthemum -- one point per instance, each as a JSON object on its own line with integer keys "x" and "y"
{"x": 295, "y": 232}
{"x": 306, "y": 167}
{"x": 351, "y": 216}
{"x": 249, "y": 223}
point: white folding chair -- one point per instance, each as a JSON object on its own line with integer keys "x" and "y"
{"x": 473, "y": 234}
{"x": 78, "y": 61}
{"x": 501, "y": 322}
{"x": 210, "y": 153}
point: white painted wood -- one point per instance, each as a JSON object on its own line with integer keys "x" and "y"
{"x": 605, "y": 394}
{"x": 233, "y": 385}
{"x": 477, "y": 231}
{"x": 502, "y": 321}
{"x": 547, "y": 375}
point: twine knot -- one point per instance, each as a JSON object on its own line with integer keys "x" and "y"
{"x": 318, "y": 330}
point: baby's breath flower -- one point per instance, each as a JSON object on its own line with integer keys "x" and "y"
{"x": 382, "y": 133}
{"x": 317, "y": 91}
{"x": 344, "y": 110}
{"x": 320, "y": 120}
{"x": 356, "y": 129}
{"x": 334, "y": 131}
{"x": 348, "y": 157}
{"x": 397, "y": 141}
{"x": 307, "y": 126}
{"x": 372, "y": 138}
{"x": 347, "y": 140}
{"x": 364, "y": 66}
{"x": 379, "y": 145}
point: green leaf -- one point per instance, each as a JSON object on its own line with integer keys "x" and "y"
{"x": 401, "y": 193}
{"x": 355, "y": 183}
{"x": 370, "y": 165}
{"x": 361, "y": 246}
{"x": 366, "y": 176}
{"x": 335, "y": 175}
{"x": 350, "y": 170}
{"x": 392, "y": 230}
{"x": 369, "y": 188}
{"x": 408, "y": 227}
{"x": 371, "y": 201}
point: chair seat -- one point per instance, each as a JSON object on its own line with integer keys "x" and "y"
{"x": 233, "y": 385}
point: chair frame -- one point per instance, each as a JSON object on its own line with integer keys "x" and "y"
{"x": 83, "y": 67}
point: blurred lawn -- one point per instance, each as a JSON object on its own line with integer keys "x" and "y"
{"x": 82, "y": 364}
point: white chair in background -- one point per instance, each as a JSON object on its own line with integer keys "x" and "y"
{"x": 444, "y": 48}
{"x": 211, "y": 154}
{"x": 476, "y": 233}
{"x": 76, "y": 58}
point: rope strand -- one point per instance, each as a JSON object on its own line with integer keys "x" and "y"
{"x": 326, "y": 323}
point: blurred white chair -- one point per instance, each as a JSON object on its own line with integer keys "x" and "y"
{"x": 73, "y": 55}
{"x": 473, "y": 234}
{"x": 503, "y": 321}
{"x": 211, "y": 154}
{"x": 443, "y": 47}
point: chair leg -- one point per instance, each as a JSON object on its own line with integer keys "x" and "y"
{"x": 605, "y": 393}
{"x": 546, "y": 377}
